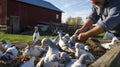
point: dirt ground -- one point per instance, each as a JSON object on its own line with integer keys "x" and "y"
{"x": 94, "y": 43}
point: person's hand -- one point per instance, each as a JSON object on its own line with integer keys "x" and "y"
{"x": 78, "y": 31}
{"x": 82, "y": 37}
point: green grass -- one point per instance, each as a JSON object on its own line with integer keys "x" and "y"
{"x": 99, "y": 36}
{"x": 25, "y": 38}
{"x": 19, "y": 38}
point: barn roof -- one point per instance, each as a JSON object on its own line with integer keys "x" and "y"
{"x": 41, "y": 3}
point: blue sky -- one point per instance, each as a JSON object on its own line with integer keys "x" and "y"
{"x": 73, "y": 8}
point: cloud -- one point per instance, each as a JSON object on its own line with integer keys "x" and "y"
{"x": 68, "y": 4}
{"x": 82, "y": 13}
{"x": 73, "y": 8}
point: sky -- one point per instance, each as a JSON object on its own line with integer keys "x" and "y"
{"x": 73, "y": 8}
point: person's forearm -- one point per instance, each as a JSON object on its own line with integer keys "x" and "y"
{"x": 87, "y": 24}
{"x": 94, "y": 31}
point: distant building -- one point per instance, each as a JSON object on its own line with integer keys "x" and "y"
{"x": 18, "y": 14}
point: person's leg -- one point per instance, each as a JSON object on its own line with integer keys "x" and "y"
{"x": 108, "y": 36}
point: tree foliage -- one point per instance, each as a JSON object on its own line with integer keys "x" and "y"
{"x": 74, "y": 21}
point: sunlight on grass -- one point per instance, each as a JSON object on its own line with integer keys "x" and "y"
{"x": 26, "y": 38}
{"x": 19, "y": 38}
{"x": 99, "y": 36}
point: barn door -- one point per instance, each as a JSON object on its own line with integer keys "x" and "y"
{"x": 15, "y": 24}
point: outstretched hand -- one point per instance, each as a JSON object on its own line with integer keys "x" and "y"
{"x": 82, "y": 37}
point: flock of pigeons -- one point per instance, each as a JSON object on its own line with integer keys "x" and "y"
{"x": 56, "y": 52}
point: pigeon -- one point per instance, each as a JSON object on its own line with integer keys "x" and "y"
{"x": 81, "y": 62}
{"x": 87, "y": 48}
{"x": 82, "y": 46}
{"x": 29, "y": 63}
{"x": 65, "y": 60}
{"x": 66, "y": 36}
{"x": 10, "y": 54}
{"x": 108, "y": 45}
{"x": 72, "y": 41}
{"x": 35, "y": 35}
{"x": 56, "y": 40}
{"x": 1, "y": 53}
{"x": 79, "y": 52}
{"x": 40, "y": 63}
{"x": 52, "y": 56}
{"x": 5, "y": 45}
{"x": 63, "y": 43}
{"x": 33, "y": 51}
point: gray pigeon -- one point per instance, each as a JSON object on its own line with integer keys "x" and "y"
{"x": 1, "y": 53}
{"x": 66, "y": 36}
{"x": 72, "y": 41}
{"x": 10, "y": 54}
{"x": 56, "y": 40}
{"x": 81, "y": 62}
{"x": 5, "y": 45}
{"x": 66, "y": 60}
{"x": 33, "y": 51}
{"x": 29, "y": 63}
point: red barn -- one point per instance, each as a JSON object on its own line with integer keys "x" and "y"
{"x": 17, "y": 14}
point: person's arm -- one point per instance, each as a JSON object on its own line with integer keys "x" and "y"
{"x": 92, "y": 18}
{"x": 113, "y": 18}
{"x": 85, "y": 27}
{"x": 82, "y": 37}
{"x": 94, "y": 31}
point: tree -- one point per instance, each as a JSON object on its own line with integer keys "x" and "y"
{"x": 74, "y": 21}
{"x": 79, "y": 21}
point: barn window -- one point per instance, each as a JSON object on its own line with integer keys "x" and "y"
{"x": 57, "y": 16}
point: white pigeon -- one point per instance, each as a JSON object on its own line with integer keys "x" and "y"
{"x": 108, "y": 45}
{"x": 29, "y": 63}
{"x": 10, "y": 54}
{"x": 33, "y": 51}
{"x": 86, "y": 47}
{"x": 81, "y": 62}
{"x": 66, "y": 60}
{"x": 52, "y": 55}
{"x": 82, "y": 46}
{"x": 63, "y": 43}
{"x": 79, "y": 52}
{"x": 35, "y": 35}
{"x": 5, "y": 45}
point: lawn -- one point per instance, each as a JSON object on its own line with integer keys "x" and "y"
{"x": 25, "y": 38}
{"x": 99, "y": 36}
{"x": 19, "y": 38}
